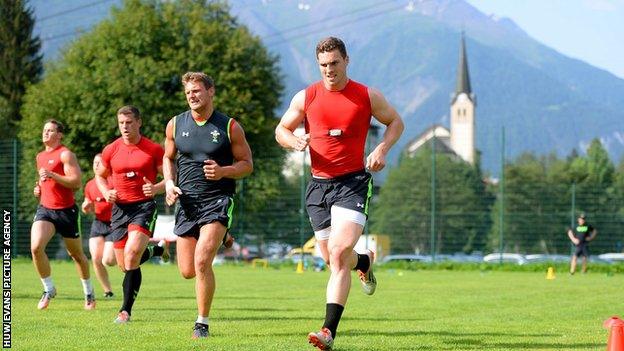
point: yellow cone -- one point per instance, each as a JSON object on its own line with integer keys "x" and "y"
{"x": 550, "y": 275}
{"x": 300, "y": 267}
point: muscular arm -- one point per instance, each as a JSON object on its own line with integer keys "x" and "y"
{"x": 71, "y": 179}
{"x": 387, "y": 115}
{"x": 101, "y": 174}
{"x": 169, "y": 168}
{"x": 291, "y": 119}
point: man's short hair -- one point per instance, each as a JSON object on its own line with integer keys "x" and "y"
{"x": 59, "y": 126}
{"x": 329, "y": 44}
{"x": 129, "y": 110}
{"x": 198, "y": 77}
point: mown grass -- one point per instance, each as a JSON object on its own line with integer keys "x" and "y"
{"x": 274, "y": 309}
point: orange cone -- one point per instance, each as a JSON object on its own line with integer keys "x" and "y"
{"x": 616, "y": 334}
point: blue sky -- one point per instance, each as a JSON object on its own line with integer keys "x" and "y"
{"x": 589, "y": 30}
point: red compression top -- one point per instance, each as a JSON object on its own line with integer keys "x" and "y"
{"x": 338, "y": 123}
{"x": 54, "y": 195}
{"x": 103, "y": 208}
{"x": 128, "y": 165}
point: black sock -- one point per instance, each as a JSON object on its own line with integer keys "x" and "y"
{"x": 131, "y": 285}
{"x": 151, "y": 251}
{"x": 363, "y": 263}
{"x": 333, "y": 312}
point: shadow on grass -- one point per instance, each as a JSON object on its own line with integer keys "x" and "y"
{"x": 474, "y": 341}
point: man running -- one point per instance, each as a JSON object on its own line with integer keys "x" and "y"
{"x": 59, "y": 178}
{"x": 337, "y": 113}
{"x": 101, "y": 240}
{"x": 205, "y": 151}
{"x": 133, "y": 161}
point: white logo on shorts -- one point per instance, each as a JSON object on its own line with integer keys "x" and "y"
{"x": 185, "y": 134}
{"x": 359, "y": 205}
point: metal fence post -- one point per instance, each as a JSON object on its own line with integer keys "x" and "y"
{"x": 501, "y": 227}
{"x": 433, "y": 194}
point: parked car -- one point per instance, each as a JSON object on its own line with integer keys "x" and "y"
{"x": 612, "y": 257}
{"x": 540, "y": 258}
{"x": 406, "y": 258}
{"x": 506, "y": 258}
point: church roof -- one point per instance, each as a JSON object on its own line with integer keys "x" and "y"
{"x": 463, "y": 76}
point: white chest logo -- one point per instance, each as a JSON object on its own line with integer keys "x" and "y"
{"x": 50, "y": 161}
{"x": 185, "y": 134}
{"x": 215, "y": 136}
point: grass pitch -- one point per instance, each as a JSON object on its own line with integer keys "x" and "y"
{"x": 274, "y": 309}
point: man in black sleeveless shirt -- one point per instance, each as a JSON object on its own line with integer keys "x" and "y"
{"x": 205, "y": 151}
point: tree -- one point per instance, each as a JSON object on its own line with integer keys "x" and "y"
{"x": 20, "y": 60}
{"x": 403, "y": 209}
{"x": 137, "y": 57}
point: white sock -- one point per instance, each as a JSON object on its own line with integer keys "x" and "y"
{"x": 48, "y": 285}
{"x": 87, "y": 288}
{"x": 202, "y": 320}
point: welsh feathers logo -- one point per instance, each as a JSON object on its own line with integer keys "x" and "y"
{"x": 215, "y": 136}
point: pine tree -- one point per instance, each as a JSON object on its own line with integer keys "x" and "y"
{"x": 20, "y": 60}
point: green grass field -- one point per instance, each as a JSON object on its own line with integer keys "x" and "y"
{"x": 274, "y": 309}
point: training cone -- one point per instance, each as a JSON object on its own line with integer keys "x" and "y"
{"x": 550, "y": 275}
{"x": 300, "y": 267}
{"x": 616, "y": 333}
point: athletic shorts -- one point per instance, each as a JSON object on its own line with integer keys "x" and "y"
{"x": 582, "y": 249}
{"x": 192, "y": 215}
{"x": 139, "y": 216}
{"x": 351, "y": 191}
{"x": 66, "y": 221}
{"x": 100, "y": 228}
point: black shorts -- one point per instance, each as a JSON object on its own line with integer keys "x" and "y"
{"x": 66, "y": 221}
{"x": 100, "y": 228}
{"x": 192, "y": 215}
{"x": 352, "y": 191}
{"x": 138, "y": 214}
{"x": 582, "y": 249}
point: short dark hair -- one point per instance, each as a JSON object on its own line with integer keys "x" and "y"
{"x": 198, "y": 77}
{"x": 129, "y": 110}
{"x": 59, "y": 126}
{"x": 329, "y": 44}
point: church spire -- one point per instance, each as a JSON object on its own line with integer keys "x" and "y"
{"x": 463, "y": 77}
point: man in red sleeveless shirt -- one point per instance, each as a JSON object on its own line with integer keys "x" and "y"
{"x": 337, "y": 112}
{"x": 101, "y": 240}
{"x": 59, "y": 177}
{"x": 133, "y": 162}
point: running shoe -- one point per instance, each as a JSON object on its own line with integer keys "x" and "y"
{"x": 368, "y": 280}
{"x": 122, "y": 318}
{"x": 45, "y": 299}
{"x": 321, "y": 339}
{"x": 89, "y": 302}
{"x": 108, "y": 294}
{"x": 165, "y": 255}
{"x": 200, "y": 331}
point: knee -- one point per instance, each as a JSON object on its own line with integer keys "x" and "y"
{"x": 37, "y": 249}
{"x": 108, "y": 261}
{"x": 78, "y": 257}
{"x": 187, "y": 273}
{"x": 338, "y": 257}
{"x": 203, "y": 264}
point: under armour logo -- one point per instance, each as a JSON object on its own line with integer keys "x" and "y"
{"x": 50, "y": 161}
{"x": 185, "y": 134}
{"x": 359, "y": 205}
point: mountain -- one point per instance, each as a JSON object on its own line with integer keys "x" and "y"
{"x": 409, "y": 50}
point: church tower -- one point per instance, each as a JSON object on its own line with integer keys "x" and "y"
{"x": 463, "y": 103}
